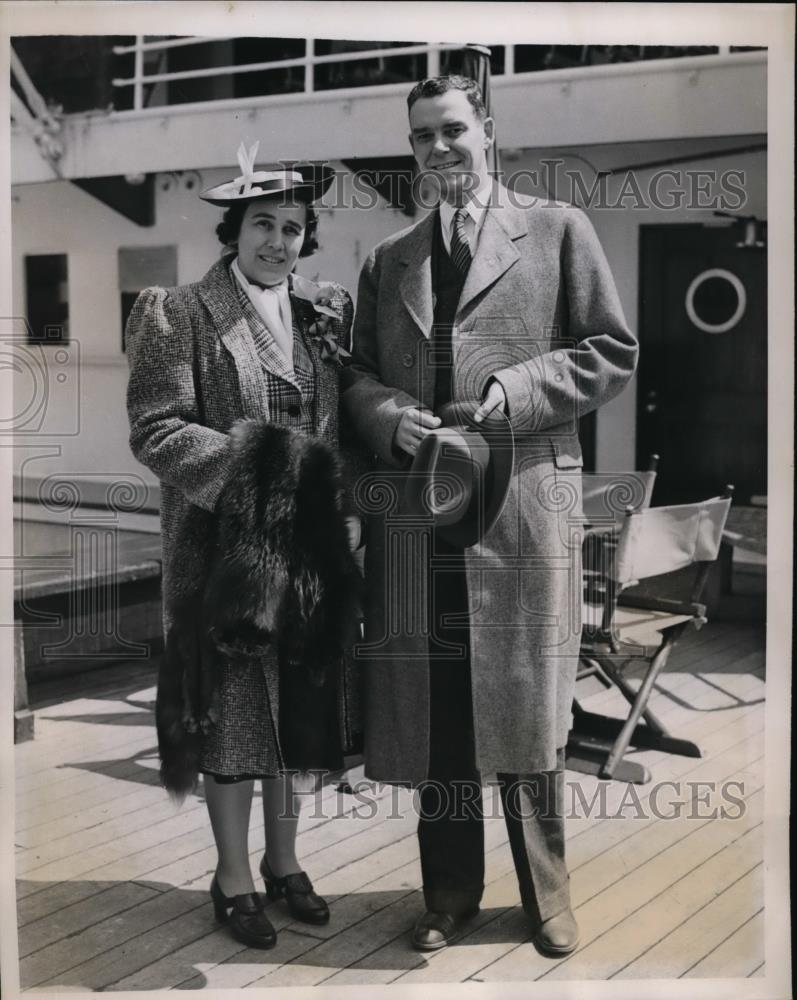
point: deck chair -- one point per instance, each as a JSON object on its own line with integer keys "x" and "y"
{"x": 656, "y": 578}
{"x": 608, "y": 495}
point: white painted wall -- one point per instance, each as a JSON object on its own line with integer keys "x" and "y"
{"x": 618, "y": 230}
{"x": 59, "y": 218}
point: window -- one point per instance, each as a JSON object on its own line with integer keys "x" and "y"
{"x": 141, "y": 267}
{"x": 47, "y": 294}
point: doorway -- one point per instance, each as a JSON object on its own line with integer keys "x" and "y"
{"x": 702, "y": 401}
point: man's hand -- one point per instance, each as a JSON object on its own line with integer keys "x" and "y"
{"x": 413, "y": 427}
{"x": 354, "y": 528}
{"x": 494, "y": 400}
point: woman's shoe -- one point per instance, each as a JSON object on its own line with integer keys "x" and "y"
{"x": 247, "y": 919}
{"x": 297, "y": 890}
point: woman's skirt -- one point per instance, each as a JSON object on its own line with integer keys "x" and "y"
{"x": 273, "y": 719}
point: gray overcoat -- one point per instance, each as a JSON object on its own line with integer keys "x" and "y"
{"x": 539, "y": 312}
{"x": 194, "y": 371}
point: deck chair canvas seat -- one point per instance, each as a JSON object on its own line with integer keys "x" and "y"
{"x": 606, "y": 498}
{"x": 648, "y": 602}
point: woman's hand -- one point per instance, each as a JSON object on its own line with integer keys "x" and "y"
{"x": 413, "y": 427}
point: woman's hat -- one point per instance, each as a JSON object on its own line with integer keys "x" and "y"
{"x": 461, "y": 473}
{"x": 308, "y": 181}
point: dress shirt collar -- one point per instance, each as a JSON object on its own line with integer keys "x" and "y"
{"x": 476, "y": 208}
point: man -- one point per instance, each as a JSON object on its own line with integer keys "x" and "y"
{"x": 472, "y": 653}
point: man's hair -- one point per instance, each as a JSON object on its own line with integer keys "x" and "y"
{"x": 437, "y": 85}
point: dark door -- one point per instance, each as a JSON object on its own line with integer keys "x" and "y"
{"x": 702, "y": 366}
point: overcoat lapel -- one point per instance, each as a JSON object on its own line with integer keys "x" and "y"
{"x": 495, "y": 254}
{"x": 415, "y": 287}
{"x": 495, "y": 250}
{"x": 219, "y": 295}
{"x": 234, "y": 322}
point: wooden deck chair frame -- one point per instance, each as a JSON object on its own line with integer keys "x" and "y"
{"x": 598, "y": 743}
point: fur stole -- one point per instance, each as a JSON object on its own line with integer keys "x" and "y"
{"x": 281, "y": 576}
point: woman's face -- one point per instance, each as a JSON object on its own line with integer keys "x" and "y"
{"x": 271, "y": 236}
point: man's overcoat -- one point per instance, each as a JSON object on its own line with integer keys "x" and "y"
{"x": 539, "y": 312}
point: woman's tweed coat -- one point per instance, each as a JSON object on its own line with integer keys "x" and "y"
{"x": 194, "y": 371}
{"x": 539, "y": 312}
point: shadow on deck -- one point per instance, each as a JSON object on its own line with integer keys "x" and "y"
{"x": 666, "y": 878}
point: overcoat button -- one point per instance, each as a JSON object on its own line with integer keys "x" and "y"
{"x": 408, "y": 360}
{"x": 293, "y": 410}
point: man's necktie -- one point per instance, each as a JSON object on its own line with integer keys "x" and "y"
{"x": 460, "y": 248}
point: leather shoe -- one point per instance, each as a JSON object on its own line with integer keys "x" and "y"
{"x": 297, "y": 891}
{"x": 558, "y": 935}
{"x": 435, "y": 930}
{"x": 247, "y": 919}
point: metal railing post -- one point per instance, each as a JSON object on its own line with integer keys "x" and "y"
{"x": 433, "y": 62}
{"x": 309, "y": 67}
{"x": 509, "y": 60}
{"x": 138, "y": 74}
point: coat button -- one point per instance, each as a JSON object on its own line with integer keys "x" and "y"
{"x": 408, "y": 361}
{"x": 293, "y": 410}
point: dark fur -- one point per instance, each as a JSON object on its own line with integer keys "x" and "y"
{"x": 281, "y": 573}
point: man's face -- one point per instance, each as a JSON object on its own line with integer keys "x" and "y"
{"x": 450, "y": 143}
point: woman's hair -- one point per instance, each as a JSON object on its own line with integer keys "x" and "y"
{"x": 230, "y": 226}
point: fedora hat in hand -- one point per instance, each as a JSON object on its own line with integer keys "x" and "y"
{"x": 307, "y": 181}
{"x": 461, "y": 472}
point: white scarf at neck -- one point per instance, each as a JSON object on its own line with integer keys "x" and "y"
{"x": 273, "y": 306}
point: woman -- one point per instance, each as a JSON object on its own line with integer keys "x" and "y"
{"x": 238, "y": 698}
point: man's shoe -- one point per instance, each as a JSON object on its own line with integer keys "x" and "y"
{"x": 558, "y": 935}
{"x": 246, "y": 919}
{"x": 297, "y": 890}
{"x": 436, "y": 930}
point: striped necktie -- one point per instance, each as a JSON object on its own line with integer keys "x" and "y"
{"x": 460, "y": 248}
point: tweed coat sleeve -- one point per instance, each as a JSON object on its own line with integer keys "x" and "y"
{"x": 601, "y": 354}
{"x": 165, "y": 432}
{"x": 362, "y": 388}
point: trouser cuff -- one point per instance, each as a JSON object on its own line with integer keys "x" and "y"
{"x": 454, "y": 901}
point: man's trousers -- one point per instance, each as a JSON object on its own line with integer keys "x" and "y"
{"x": 450, "y": 827}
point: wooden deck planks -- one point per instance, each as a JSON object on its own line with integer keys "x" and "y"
{"x": 598, "y": 913}
{"x": 603, "y": 869}
{"x": 738, "y": 955}
{"x": 126, "y": 876}
{"x": 706, "y": 929}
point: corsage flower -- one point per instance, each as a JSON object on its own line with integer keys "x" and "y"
{"x": 319, "y": 295}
